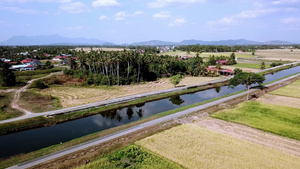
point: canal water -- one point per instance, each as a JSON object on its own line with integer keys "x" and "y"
{"x": 35, "y": 139}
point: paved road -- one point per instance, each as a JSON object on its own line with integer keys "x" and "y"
{"x": 122, "y": 99}
{"x": 109, "y": 102}
{"x": 136, "y": 128}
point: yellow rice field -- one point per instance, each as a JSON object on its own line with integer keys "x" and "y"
{"x": 194, "y": 147}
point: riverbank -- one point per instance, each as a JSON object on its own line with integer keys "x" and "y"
{"x": 205, "y": 109}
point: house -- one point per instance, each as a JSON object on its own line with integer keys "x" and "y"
{"x": 222, "y": 62}
{"x": 5, "y": 60}
{"x": 225, "y": 72}
{"x": 30, "y": 61}
{"x": 75, "y": 58}
{"x": 47, "y": 55}
{"x": 59, "y": 58}
{"x": 28, "y": 67}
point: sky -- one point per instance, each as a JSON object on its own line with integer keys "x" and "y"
{"x": 128, "y": 21}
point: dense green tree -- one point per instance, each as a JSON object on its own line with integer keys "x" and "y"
{"x": 246, "y": 79}
{"x": 175, "y": 80}
{"x": 7, "y": 77}
{"x": 262, "y": 65}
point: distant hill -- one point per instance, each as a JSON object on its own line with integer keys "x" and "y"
{"x": 154, "y": 43}
{"x": 50, "y": 40}
{"x": 221, "y": 42}
{"x": 59, "y": 40}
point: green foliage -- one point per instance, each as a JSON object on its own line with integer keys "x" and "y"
{"x": 274, "y": 64}
{"x": 7, "y": 77}
{"x": 263, "y": 65}
{"x": 237, "y": 71}
{"x": 6, "y": 112}
{"x": 38, "y": 84}
{"x": 175, "y": 80}
{"x": 253, "y": 53}
{"x": 277, "y": 119}
{"x": 132, "y": 157}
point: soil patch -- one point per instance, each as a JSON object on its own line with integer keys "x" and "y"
{"x": 256, "y": 136}
{"x": 280, "y": 100}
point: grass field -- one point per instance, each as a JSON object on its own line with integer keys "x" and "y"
{"x": 131, "y": 157}
{"x": 273, "y": 118}
{"x": 237, "y": 55}
{"x": 291, "y": 90}
{"x": 277, "y": 54}
{"x": 250, "y": 65}
{"x": 35, "y": 102}
{"x": 194, "y": 147}
{"x": 6, "y": 111}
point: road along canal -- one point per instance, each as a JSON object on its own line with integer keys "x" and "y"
{"x": 35, "y": 139}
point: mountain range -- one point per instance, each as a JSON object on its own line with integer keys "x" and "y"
{"x": 59, "y": 40}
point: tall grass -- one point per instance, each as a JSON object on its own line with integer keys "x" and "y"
{"x": 131, "y": 157}
{"x": 291, "y": 90}
{"x": 194, "y": 147}
{"x": 6, "y": 112}
{"x": 272, "y": 118}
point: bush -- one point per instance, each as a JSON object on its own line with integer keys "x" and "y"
{"x": 90, "y": 80}
{"x": 39, "y": 84}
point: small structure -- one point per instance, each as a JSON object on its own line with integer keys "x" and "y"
{"x": 28, "y": 67}
{"x": 30, "y": 61}
{"x": 59, "y": 58}
{"x": 222, "y": 62}
{"x": 225, "y": 72}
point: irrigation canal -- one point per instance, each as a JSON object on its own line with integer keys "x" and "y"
{"x": 35, "y": 139}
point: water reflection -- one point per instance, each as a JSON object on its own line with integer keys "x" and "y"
{"x": 42, "y": 137}
{"x": 176, "y": 100}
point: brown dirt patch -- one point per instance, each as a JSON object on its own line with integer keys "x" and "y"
{"x": 280, "y": 100}
{"x": 256, "y": 136}
{"x": 243, "y": 68}
{"x": 277, "y": 54}
{"x": 73, "y": 96}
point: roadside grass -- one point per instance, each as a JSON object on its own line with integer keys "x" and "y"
{"x": 36, "y": 102}
{"x": 22, "y": 77}
{"x": 25, "y": 78}
{"x": 192, "y": 146}
{"x": 131, "y": 156}
{"x": 250, "y": 65}
{"x": 25, "y": 157}
{"x": 291, "y": 90}
{"x": 6, "y": 112}
{"x": 272, "y": 118}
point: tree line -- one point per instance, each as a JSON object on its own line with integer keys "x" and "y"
{"x": 131, "y": 66}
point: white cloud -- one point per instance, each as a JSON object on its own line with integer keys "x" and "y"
{"x": 75, "y": 28}
{"x": 235, "y": 19}
{"x": 138, "y": 13}
{"x": 123, "y": 15}
{"x": 290, "y": 20}
{"x": 177, "y": 22}
{"x": 19, "y": 10}
{"x": 162, "y": 15}
{"x": 284, "y": 2}
{"x": 76, "y": 7}
{"x": 164, "y": 3}
{"x": 103, "y": 17}
{"x": 105, "y": 3}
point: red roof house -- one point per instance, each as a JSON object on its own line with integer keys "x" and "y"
{"x": 28, "y": 60}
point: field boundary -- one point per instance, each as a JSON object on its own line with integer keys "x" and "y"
{"x": 234, "y": 98}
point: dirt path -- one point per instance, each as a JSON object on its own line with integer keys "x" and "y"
{"x": 256, "y": 136}
{"x": 15, "y": 102}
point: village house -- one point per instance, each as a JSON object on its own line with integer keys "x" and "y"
{"x": 225, "y": 72}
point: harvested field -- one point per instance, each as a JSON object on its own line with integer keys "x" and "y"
{"x": 72, "y": 96}
{"x": 291, "y": 90}
{"x": 280, "y": 100}
{"x": 243, "y": 68}
{"x": 273, "y": 118}
{"x": 250, "y": 134}
{"x": 277, "y": 54}
{"x": 194, "y": 147}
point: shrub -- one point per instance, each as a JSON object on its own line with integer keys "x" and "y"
{"x": 39, "y": 84}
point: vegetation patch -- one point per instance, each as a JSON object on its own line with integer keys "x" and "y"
{"x": 291, "y": 90}
{"x": 250, "y": 65}
{"x": 131, "y": 156}
{"x": 194, "y": 147}
{"x": 35, "y": 102}
{"x": 272, "y": 118}
{"x": 6, "y": 112}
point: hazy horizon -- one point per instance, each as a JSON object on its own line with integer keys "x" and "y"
{"x": 131, "y": 21}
